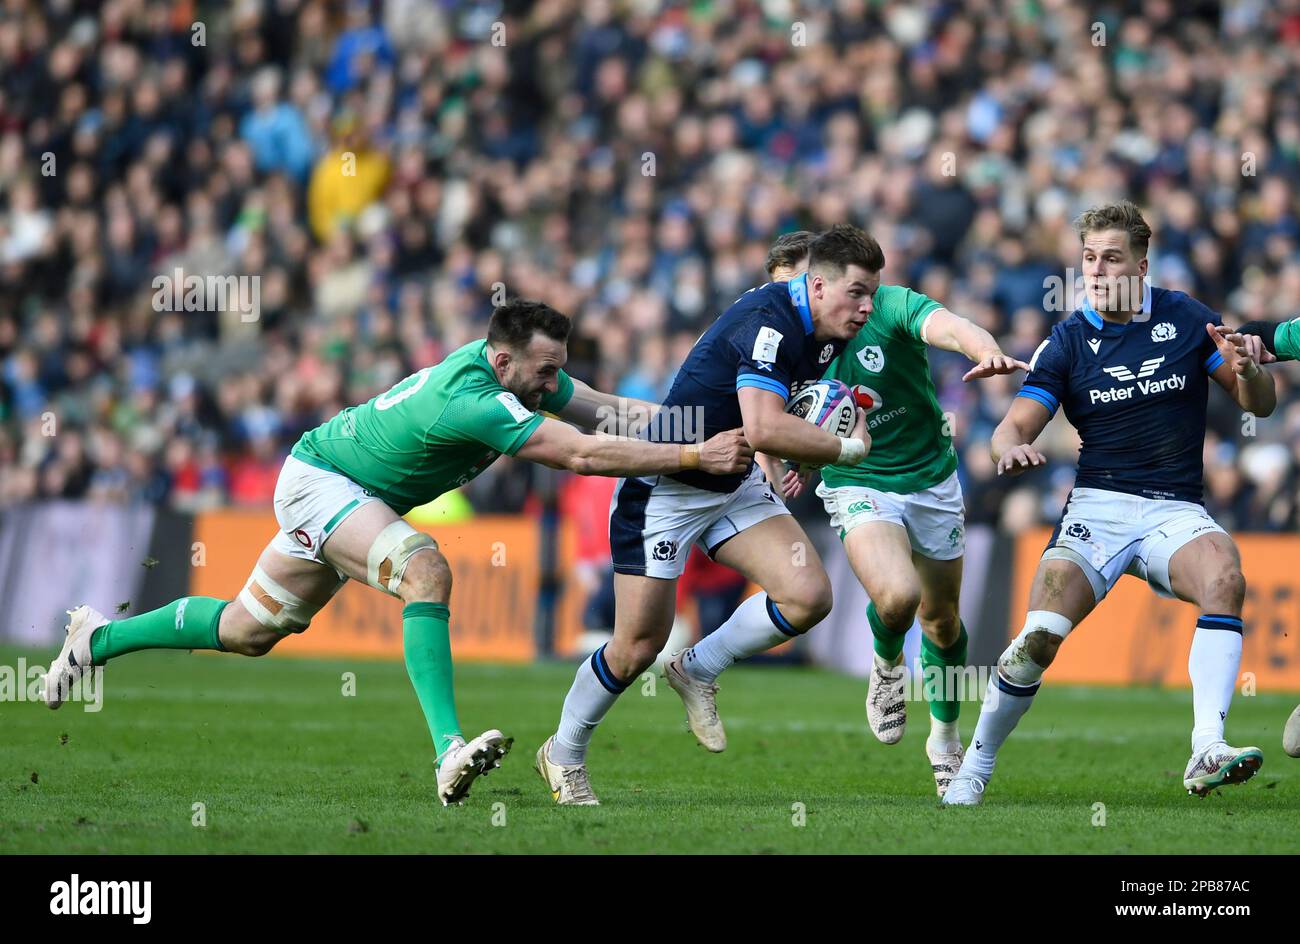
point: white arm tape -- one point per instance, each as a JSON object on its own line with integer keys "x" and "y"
{"x": 852, "y": 451}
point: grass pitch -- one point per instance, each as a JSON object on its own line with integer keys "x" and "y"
{"x": 283, "y": 761}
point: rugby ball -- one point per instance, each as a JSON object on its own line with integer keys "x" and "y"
{"x": 826, "y": 403}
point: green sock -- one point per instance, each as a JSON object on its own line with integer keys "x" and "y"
{"x": 944, "y": 709}
{"x": 889, "y": 644}
{"x": 426, "y": 639}
{"x": 187, "y": 623}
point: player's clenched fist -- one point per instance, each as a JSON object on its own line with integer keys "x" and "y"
{"x": 1019, "y": 458}
{"x": 726, "y": 453}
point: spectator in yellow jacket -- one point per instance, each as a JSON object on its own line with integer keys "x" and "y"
{"x": 350, "y": 177}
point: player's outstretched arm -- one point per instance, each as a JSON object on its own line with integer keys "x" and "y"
{"x": 949, "y": 332}
{"x": 770, "y": 429}
{"x": 1281, "y": 342}
{"x": 1012, "y": 445}
{"x": 560, "y": 446}
{"x": 1240, "y": 374}
{"x": 620, "y": 416}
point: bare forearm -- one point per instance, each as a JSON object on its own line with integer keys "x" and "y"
{"x": 1257, "y": 395}
{"x": 976, "y": 343}
{"x": 1008, "y": 435}
{"x": 771, "y": 466}
{"x": 788, "y": 437}
{"x": 954, "y": 333}
{"x": 640, "y": 413}
{"x": 613, "y": 455}
{"x": 618, "y": 416}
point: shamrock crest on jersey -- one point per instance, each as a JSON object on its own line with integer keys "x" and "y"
{"x": 888, "y": 371}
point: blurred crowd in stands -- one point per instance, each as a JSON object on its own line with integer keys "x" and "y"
{"x": 384, "y": 168}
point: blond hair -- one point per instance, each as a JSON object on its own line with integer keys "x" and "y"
{"x": 1122, "y": 215}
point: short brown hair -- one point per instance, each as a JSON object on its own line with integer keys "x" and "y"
{"x": 1122, "y": 215}
{"x": 844, "y": 245}
{"x": 788, "y": 250}
{"x": 513, "y": 324}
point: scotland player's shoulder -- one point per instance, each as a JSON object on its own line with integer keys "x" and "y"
{"x": 1062, "y": 337}
{"x": 767, "y": 312}
{"x": 1172, "y": 305}
{"x": 771, "y": 300}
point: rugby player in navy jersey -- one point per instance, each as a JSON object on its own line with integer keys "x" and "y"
{"x": 1131, "y": 368}
{"x": 740, "y": 372}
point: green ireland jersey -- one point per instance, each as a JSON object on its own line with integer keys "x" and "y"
{"x": 911, "y": 447}
{"x": 432, "y": 432}
{"x": 1286, "y": 340}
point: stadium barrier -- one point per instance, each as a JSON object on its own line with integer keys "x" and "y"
{"x": 495, "y": 574}
{"x": 129, "y": 560}
{"x": 1137, "y": 638}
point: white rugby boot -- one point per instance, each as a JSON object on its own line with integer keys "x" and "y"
{"x": 886, "y": 705}
{"x": 965, "y": 790}
{"x": 463, "y": 762}
{"x": 1291, "y": 734}
{"x": 945, "y": 764}
{"x": 700, "y": 699}
{"x": 73, "y": 659}
{"x": 1220, "y": 765}
{"x": 568, "y": 783}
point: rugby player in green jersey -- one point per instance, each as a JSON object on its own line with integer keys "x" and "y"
{"x": 1281, "y": 342}
{"x": 900, "y": 512}
{"x": 343, "y": 490}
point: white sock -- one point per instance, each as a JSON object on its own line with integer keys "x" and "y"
{"x": 943, "y": 734}
{"x": 594, "y": 691}
{"x": 1213, "y": 665}
{"x": 748, "y": 631}
{"x": 1004, "y": 704}
{"x": 884, "y": 664}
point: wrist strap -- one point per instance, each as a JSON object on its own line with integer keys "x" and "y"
{"x": 852, "y": 451}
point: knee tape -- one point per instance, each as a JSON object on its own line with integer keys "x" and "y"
{"x": 1015, "y": 662}
{"x": 275, "y": 607}
{"x": 1095, "y": 578}
{"x": 391, "y": 552}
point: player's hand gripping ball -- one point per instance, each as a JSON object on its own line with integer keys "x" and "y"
{"x": 829, "y": 404}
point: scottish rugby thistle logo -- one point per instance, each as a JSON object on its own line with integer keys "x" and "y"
{"x": 1163, "y": 331}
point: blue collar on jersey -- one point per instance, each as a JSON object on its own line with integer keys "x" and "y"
{"x": 1095, "y": 319}
{"x": 799, "y": 298}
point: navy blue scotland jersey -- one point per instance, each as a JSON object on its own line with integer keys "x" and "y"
{"x": 764, "y": 340}
{"x": 1135, "y": 392}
